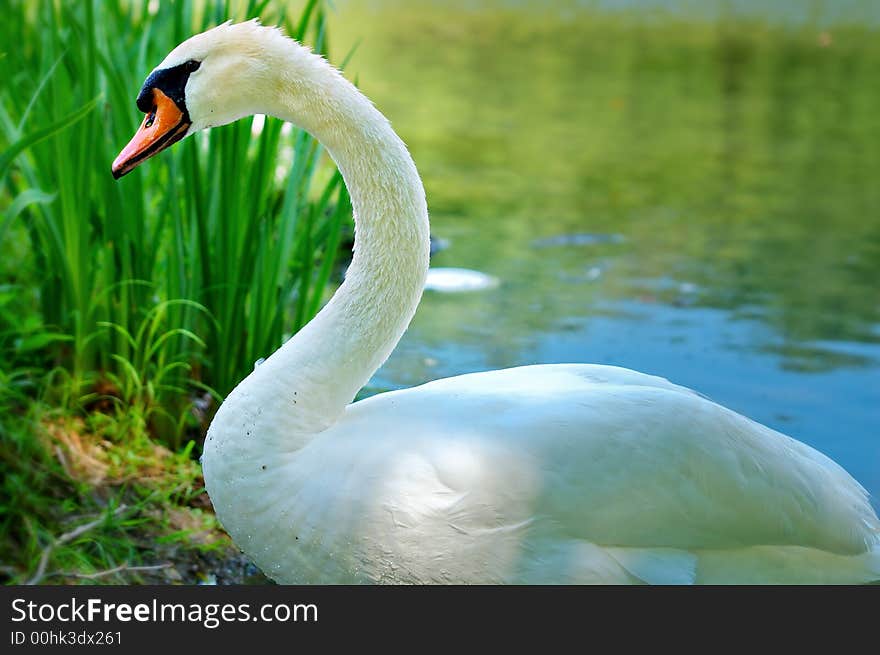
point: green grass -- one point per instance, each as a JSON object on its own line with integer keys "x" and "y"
{"x": 95, "y": 497}
{"x": 129, "y": 308}
{"x": 209, "y": 222}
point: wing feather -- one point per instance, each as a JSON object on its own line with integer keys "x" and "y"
{"x": 620, "y": 458}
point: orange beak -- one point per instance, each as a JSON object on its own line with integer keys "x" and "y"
{"x": 164, "y": 125}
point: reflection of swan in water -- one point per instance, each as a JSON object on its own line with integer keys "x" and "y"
{"x": 564, "y": 473}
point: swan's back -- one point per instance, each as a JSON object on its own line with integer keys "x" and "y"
{"x": 574, "y": 473}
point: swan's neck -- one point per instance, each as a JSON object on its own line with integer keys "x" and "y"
{"x": 306, "y": 384}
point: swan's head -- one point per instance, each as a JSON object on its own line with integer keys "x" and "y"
{"x": 211, "y": 79}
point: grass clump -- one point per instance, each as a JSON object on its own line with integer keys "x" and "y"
{"x": 93, "y": 497}
{"x": 235, "y": 254}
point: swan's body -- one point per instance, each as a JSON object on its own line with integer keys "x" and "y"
{"x": 563, "y": 473}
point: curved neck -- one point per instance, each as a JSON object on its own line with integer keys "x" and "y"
{"x": 308, "y": 381}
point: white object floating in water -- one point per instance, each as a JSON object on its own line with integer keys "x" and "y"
{"x": 580, "y": 239}
{"x": 457, "y": 280}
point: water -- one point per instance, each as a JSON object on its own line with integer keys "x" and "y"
{"x": 695, "y": 196}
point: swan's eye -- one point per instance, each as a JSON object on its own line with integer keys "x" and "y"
{"x": 192, "y": 65}
{"x": 150, "y": 119}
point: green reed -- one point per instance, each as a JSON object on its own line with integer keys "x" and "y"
{"x": 243, "y": 252}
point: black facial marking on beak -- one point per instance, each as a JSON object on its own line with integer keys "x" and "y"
{"x": 172, "y": 82}
{"x": 163, "y": 100}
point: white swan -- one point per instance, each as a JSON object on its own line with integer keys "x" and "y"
{"x": 552, "y": 474}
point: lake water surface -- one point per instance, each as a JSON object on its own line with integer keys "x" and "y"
{"x": 696, "y": 198}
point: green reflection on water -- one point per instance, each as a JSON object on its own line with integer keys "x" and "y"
{"x": 735, "y": 155}
{"x": 730, "y": 167}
